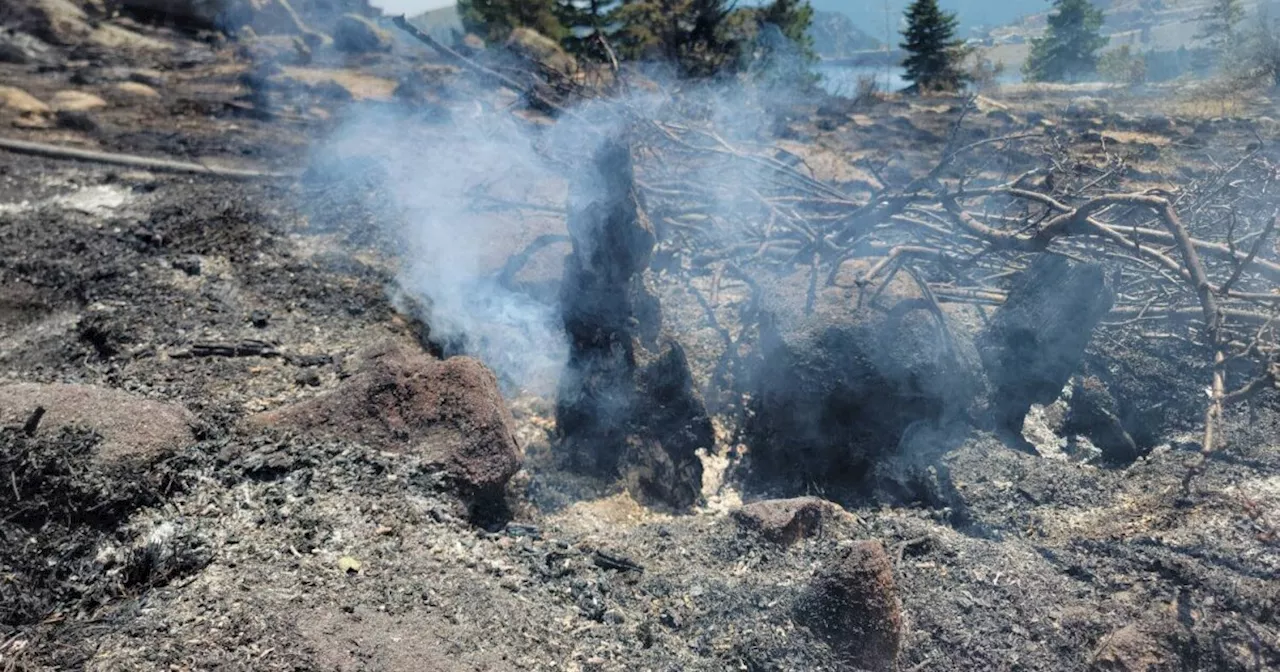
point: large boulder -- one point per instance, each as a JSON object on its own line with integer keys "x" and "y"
{"x": 264, "y": 17}
{"x": 134, "y": 430}
{"x": 400, "y": 399}
{"x": 541, "y": 50}
{"x": 354, "y": 34}
{"x": 23, "y": 49}
{"x": 65, "y": 22}
{"x": 842, "y": 371}
{"x": 57, "y": 21}
{"x": 17, "y": 101}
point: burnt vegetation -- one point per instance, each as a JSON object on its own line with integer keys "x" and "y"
{"x": 619, "y": 343}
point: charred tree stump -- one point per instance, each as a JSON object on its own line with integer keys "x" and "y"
{"x": 626, "y": 405}
{"x": 1036, "y": 341}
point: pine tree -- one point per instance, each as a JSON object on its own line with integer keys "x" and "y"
{"x": 778, "y": 46}
{"x": 694, "y": 35}
{"x": 586, "y": 23}
{"x": 935, "y": 52}
{"x": 1218, "y": 25}
{"x": 1069, "y": 48}
{"x": 494, "y": 20}
{"x": 793, "y": 18}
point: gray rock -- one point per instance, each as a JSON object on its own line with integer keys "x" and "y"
{"x": 355, "y": 34}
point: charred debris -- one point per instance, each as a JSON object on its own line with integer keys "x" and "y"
{"x": 1007, "y": 275}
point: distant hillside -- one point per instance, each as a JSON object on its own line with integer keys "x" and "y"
{"x": 835, "y": 35}
{"x": 439, "y": 23}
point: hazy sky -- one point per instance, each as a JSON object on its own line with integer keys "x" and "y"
{"x": 409, "y": 7}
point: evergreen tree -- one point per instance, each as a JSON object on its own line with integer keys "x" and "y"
{"x": 586, "y": 23}
{"x": 494, "y": 20}
{"x": 1218, "y": 25}
{"x": 779, "y": 47}
{"x": 1069, "y": 48}
{"x": 694, "y": 35}
{"x": 935, "y": 52}
{"x": 793, "y": 18}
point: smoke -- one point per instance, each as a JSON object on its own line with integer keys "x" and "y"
{"x": 451, "y": 250}
{"x": 452, "y": 186}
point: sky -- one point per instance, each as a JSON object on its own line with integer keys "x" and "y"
{"x": 409, "y": 7}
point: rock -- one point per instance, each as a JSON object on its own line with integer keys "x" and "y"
{"x": 76, "y": 101}
{"x": 836, "y": 386}
{"x": 542, "y": 50}
{"x": 14, "y": 99}
{"x": 854, "y": 606}
{"x": 786, "y": 521}
{"x": 134, "y": 430}
{"x": 263, "y": 17}
{"x": 66, "y": 23}
{"x": 400, "y": 399}
{"x": 136, "y": 90}
{"x": 152, "y": 78}
{"x": 1134, "y": 648}
{"x": 23, "y": 49}
{"x": 75, "y": 120}
{"x": 1036, "y": 341}
{"x": 58, "y": 21}
{"x": 354, "y": 34}
{"x": 1087, "y": 107}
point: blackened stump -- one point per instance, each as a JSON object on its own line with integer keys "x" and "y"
{"x": 1036, "y": 341}
{"x": 837, "y": 385}
{"x": 626, "y": 404}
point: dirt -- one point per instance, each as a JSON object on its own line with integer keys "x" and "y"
{"x": 242, "y": 545}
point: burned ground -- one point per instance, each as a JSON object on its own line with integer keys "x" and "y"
{"x": 253, "y": 546}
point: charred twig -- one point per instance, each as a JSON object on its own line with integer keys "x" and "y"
{"x": 33, "y": 421}
{"x": 1253, "y": 254}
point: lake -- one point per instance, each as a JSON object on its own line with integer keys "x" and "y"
{"x": 842, "y": 80}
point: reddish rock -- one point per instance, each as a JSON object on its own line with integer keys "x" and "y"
{"x": 134, "y": 430}
{"x": 786, "y": 521}
{"x": 401, "y": 399}
{"x": 854, "y": 606}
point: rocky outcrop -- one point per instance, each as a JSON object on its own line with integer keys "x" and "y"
{"x": 626, "y": 404}
{"x": 854, "y": 606}
{"x": 449, "y": 412}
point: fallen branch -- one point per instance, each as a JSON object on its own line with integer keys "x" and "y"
{"x": 132, "y": 161}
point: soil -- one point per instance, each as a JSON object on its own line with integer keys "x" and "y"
{"x": 251, "y": 546}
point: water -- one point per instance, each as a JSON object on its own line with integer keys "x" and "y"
{"x": 842, "y": 80}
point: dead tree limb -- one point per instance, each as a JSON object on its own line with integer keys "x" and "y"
{"x": 132, "y": 161}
